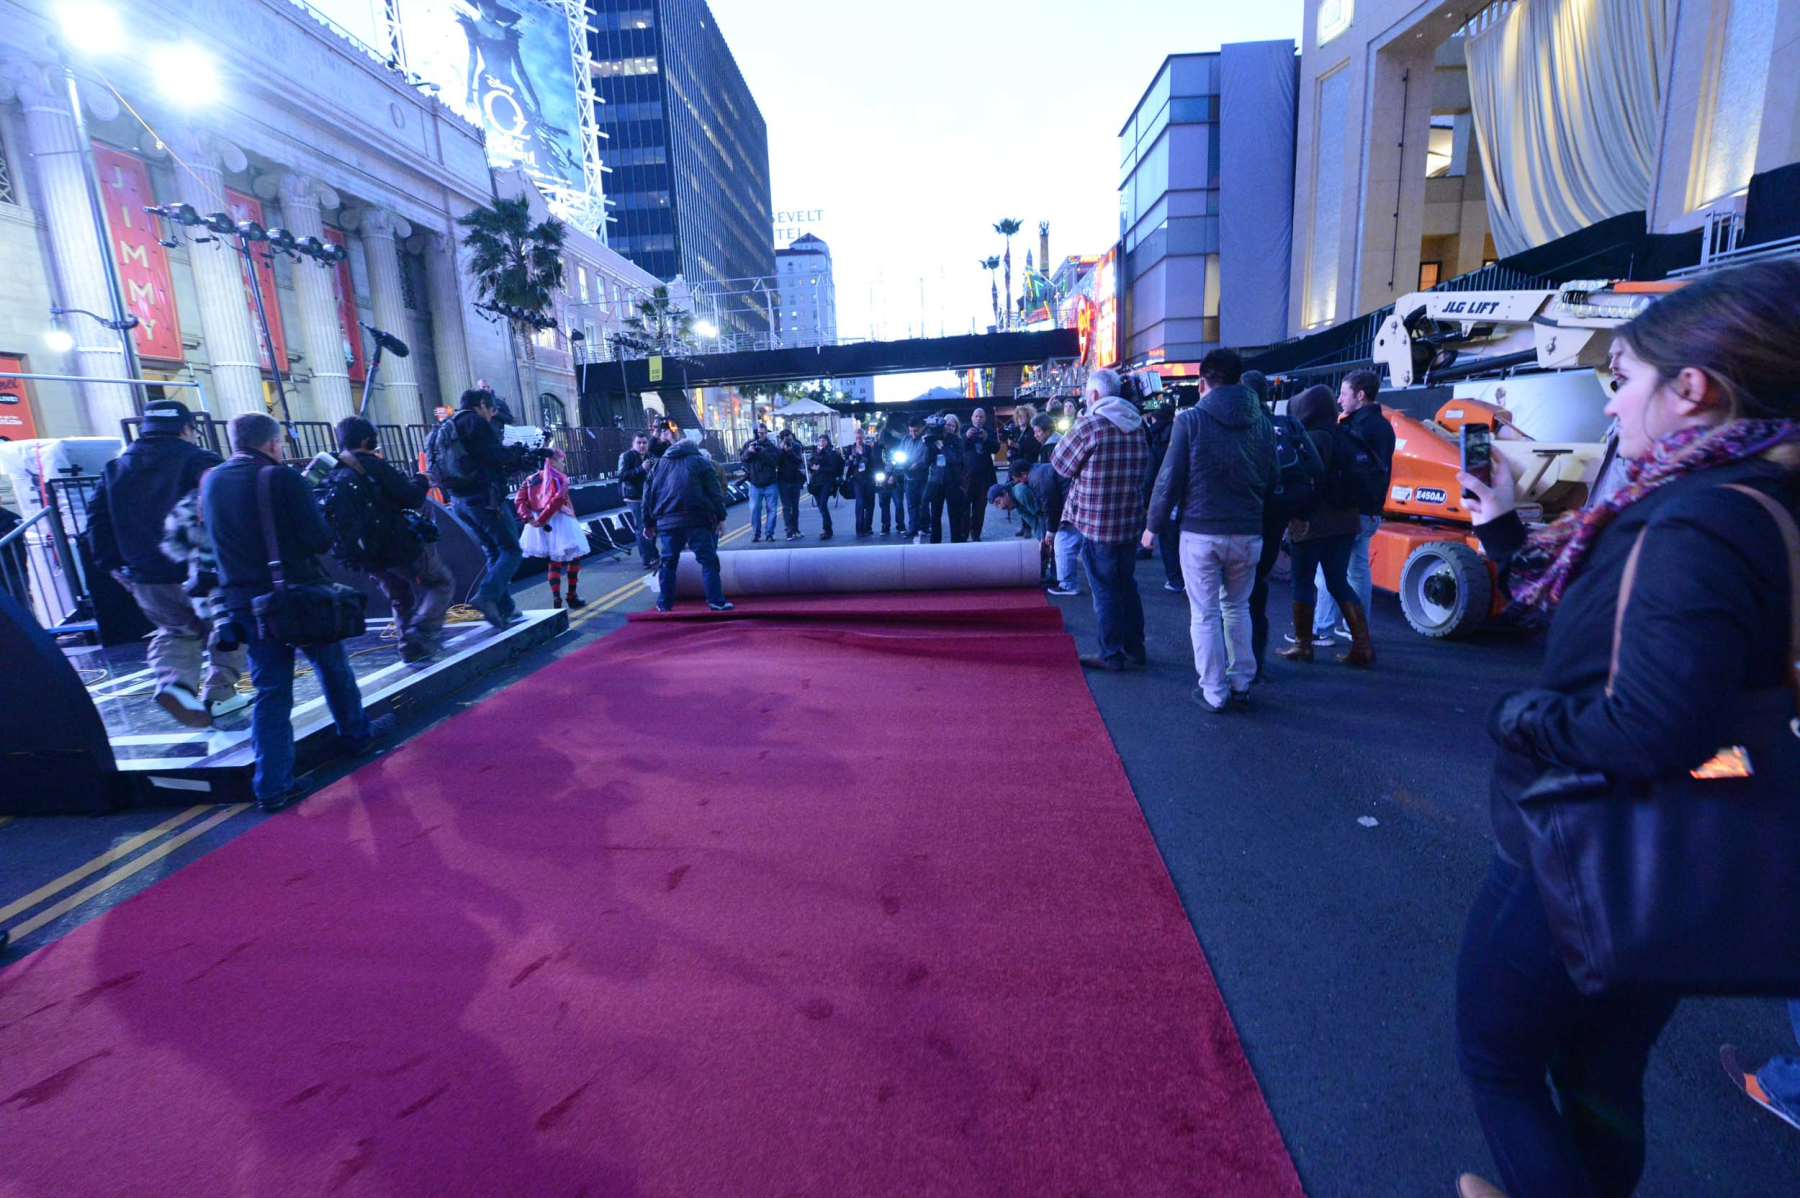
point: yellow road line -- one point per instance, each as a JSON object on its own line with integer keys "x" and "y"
{"x": 101, "y": 862}
{"x": 119, "y": 875}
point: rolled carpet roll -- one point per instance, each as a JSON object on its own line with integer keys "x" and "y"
{"x": 1014, "y": 562}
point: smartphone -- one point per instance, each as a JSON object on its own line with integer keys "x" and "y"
{"x": 1478, "y": 453}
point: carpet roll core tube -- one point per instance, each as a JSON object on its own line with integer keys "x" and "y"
{"x": 1015, "y": 562}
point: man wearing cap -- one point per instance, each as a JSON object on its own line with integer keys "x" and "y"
{"x": 125, "y": 528}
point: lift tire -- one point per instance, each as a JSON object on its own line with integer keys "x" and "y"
{"x": 1445, "y": 589}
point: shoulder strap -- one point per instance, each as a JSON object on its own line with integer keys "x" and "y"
{"x": 1790, "y": 534}
{"x": 264, "y": 477}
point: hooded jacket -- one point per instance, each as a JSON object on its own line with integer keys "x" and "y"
{"x": 683, "y": 491}
{"x": 1220, "y": 466}
{"x": 137, "y": 491}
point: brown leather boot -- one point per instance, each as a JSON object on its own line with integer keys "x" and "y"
{"x": 1302, "y": 648}
{"x": 1362, "y": 646}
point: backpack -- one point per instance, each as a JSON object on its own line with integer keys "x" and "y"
{"x": 361, "y": 535}
{"x": 1300, "y": 473}
{"x": 1358, "y": 477}
{"x": 447, "y": 457}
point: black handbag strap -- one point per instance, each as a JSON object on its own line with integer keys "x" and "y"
{"x": 1790, "y": 535}
{"x": 264, "y": 477}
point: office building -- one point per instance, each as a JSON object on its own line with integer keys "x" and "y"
{"x": 1206, "y": 204}
{"x": 688, "y": 154}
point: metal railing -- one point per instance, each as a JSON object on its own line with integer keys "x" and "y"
{"x": 39, "y": 568}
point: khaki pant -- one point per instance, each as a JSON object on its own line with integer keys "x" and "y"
{"x": 420, "y": 595}
{"x": 180, "y": 639}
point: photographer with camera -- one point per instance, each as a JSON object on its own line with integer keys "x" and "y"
{"x": 913, "y": 464}
{"x": 823, "y": 472}
{"x": 391, "y": 538}
{"x": 980, "y": 444}
{"x": 137, "y": 491}
{"x": 262, "y": 516}
{"x": 467, "y": 460}
{"x": 790, "y": 476}
{"x": 944, "y": 479}
{"x": 633, "y": 470}
{"x": 860, "y": 467}
{"x": 761, "y": 470}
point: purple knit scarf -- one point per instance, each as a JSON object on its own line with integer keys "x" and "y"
{"x": 1555, "y": 554}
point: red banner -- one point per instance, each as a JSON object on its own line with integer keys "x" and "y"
{"x": 16, "y": 422}
{"x": 143, "y": 262}
{"x": 243, "y": 208}
{"x": 346, "y": 302}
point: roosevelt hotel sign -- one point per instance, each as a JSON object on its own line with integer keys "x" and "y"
{"x": 790, "y": 223}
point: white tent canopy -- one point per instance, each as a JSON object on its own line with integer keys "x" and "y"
{"x": 805, "y": 407}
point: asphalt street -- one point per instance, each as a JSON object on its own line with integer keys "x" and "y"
{"x": 1326, "y": 845}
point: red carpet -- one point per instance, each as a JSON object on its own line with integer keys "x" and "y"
{"x": 763, "y": 906}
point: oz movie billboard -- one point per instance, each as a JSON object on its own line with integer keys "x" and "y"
{"x": 506, "y": 66}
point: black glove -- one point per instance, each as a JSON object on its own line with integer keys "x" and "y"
{"x": 1515, "y": 719}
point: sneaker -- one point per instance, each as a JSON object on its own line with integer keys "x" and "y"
{"x": 1471, "y": 1186}
{"x": 1176, "y": 587}
{"x": 287, "y": 798}
{"x": 1319, "y": 640}
{"x": 1060, "y": 589}
{"x": 183, "y": 704}
{"x": 1746, "y": 1081}
{"x": 489, "y": 612}
{"x": 726, "y": 606}
{"x": 653, "y": 583}
{"x": 1341, "y": 632}
{"x": 665, "y": 610}
{"x": 1110, "y": 665}
{"x": 576, "y": 602}
{"x": 230, "y": 703}
{"x": 1199, "y": 697}
{"x": 755, "y": 538}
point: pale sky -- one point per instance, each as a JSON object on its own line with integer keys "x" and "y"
{"x": 916, "y": 126}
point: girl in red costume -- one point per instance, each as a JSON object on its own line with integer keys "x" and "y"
{"x": 551, "y": 529}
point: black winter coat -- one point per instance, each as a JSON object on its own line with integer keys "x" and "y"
{"x": 632, "y": 475}
{"x": 229, "y": 505}
{"x": 1370, "y": 423}
{"x": 395, "y": 494}
{"x": 1220, "y": 466}
{"x": 683, "y": 491}
{"x": 979, "y": 446}
{"x": 944, "y": 462}
{"x": 491, "y": 464}
{"x": 824, "y": 470}
{"x": 1708, "y": 619}
{"x": 860, "y": 464}
{"x": 760, "y": 465}
{"x": 790, "y": 466}
{"x": 137, "y": 491}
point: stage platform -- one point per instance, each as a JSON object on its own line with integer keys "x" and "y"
{"x": 168, "y": 764}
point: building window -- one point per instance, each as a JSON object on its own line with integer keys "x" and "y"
{"x": 581, "y": 283}
{"x": 613, "y": 67}
{"x": 1334, "y": 18}
{"x": 1429, "y": 274}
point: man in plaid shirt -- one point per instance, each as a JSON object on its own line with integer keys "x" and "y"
{"x": 1105, "y": 457}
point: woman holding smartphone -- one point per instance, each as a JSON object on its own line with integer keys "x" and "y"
{"x": 1706, "y": 393}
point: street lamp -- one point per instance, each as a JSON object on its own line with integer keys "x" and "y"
{"x": 186, "y": 75}
{"x": 706, "y": 328}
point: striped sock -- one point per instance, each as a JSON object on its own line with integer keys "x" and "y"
{"x": 556, "y": 574}
{"x": 574, "y": 568}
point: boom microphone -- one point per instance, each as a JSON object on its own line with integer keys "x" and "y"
{"x": 388, "y": 341}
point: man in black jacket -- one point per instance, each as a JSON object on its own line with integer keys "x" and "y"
{"x": 823, "y": 472}
{"x": 231, "y": 503}
{"x": 1159, "y": 425}
{"x": 913, "y": 465}
{"x": 761, "y": 471}
{"x": 861, "y": 464}
{"x": 633, "y": 470}
{"x": 1220, "y": 470}
{"x": 125, "y": 527}
{"x": 685, "y": 504}
{"x": 790, "y": 476}
{"x": 980, "y": 443}
{"x": 1365, "y": 423}
{"x": 479, "y": 501}
{"x": 410, "y": 572}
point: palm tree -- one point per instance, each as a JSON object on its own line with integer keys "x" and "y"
{"x": 991, "y": 265}
{"x": 517, "y": 266}
{"x": 1006, "y": 227}
{"x": 659, "y": 326}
